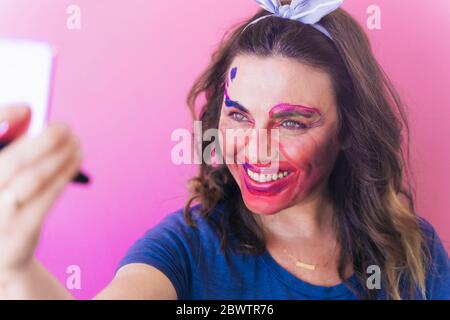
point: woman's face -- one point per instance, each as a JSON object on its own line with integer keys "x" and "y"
{"x": 288, "y": 113}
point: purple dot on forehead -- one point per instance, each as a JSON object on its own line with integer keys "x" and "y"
{"x": 233, "y": 73}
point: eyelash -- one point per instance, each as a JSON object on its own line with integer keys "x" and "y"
{"x": 293, "y": 125}
{"x": 233, "y": 116}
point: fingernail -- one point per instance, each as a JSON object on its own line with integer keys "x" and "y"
{"x": 4, "y": 127}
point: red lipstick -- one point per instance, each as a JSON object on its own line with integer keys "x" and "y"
{"x": 266, "y": 180}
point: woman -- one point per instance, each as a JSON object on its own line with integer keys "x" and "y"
{"x": 328, "y": 214}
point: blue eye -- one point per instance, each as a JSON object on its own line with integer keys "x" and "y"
{"x": 293, "y": 125}
{"x": 239, "y": 117}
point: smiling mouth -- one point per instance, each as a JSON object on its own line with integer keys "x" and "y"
{"x": 267, "y": 178}
{"x": 264, "y": 178}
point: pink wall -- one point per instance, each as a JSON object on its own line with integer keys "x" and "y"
{"x": 121, "y": 84}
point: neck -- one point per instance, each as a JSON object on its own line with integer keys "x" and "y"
{"x": 309, "y": 220}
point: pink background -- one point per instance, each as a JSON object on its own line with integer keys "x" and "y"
{"x": 121, "y": 83}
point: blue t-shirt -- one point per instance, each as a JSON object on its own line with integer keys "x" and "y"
{"x": 191, "y": 258}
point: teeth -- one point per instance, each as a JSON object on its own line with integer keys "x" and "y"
{"x": 260, "y": 177}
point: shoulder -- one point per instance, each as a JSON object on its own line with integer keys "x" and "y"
{"x": 173, "y": 245}
{"x": 427, "y": 229}
{"x": 432, "y": 240}
{"x": 187, "y": 230}
{"x": 195, "y": 220}
{"x": 430, "y": 235}
{"x": 438, "y": 275}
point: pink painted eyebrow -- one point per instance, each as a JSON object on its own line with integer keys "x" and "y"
{"x": 284, "y": 109}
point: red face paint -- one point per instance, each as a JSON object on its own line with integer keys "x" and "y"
{"x": 305, "y": 159}
{"x": 307, "y": 144}
{"x": 303, "y": 165}
{"x": 285, "y": 109}
{"x": 274, "y": 181}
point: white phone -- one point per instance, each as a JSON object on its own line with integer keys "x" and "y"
{"x": 26, "y": 74}
{"x": 26, "y": 77}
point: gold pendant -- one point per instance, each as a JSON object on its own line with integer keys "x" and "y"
{"x": 305, "y": 266}
{"x": 300, "y": 264}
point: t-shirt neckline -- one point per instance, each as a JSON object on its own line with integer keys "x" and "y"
{"x": 305, "y": 288}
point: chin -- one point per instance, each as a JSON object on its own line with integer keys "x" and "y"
{"x": 270, "y": 194}
{"x": 263, "y": 207}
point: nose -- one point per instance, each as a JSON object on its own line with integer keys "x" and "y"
{"x": 262, "y": 147}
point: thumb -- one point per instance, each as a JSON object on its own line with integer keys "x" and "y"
{"x": 14, "y": 121}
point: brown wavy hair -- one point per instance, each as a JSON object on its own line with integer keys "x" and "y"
{"x": 370, "y": 185}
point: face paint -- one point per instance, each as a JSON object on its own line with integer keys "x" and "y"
{"x": 233, "y": 104}
{"x": 263, "y": 181}
{"x": 311, "y": 117}
{"x": 303, "y": 166}
{"x": 307, "y": 142}
{"x": 289, "y": 109}
{"x": 233, "y": 73}
{"x": 228, "y": 102}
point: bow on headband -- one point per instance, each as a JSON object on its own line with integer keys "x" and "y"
{"x": 306, "y": 11}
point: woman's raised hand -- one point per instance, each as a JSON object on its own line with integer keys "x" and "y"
{"x": 33, "y": 173}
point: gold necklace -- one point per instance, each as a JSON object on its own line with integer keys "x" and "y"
{"x": 303, "y": 265}
{"x": 300, "y": 264}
